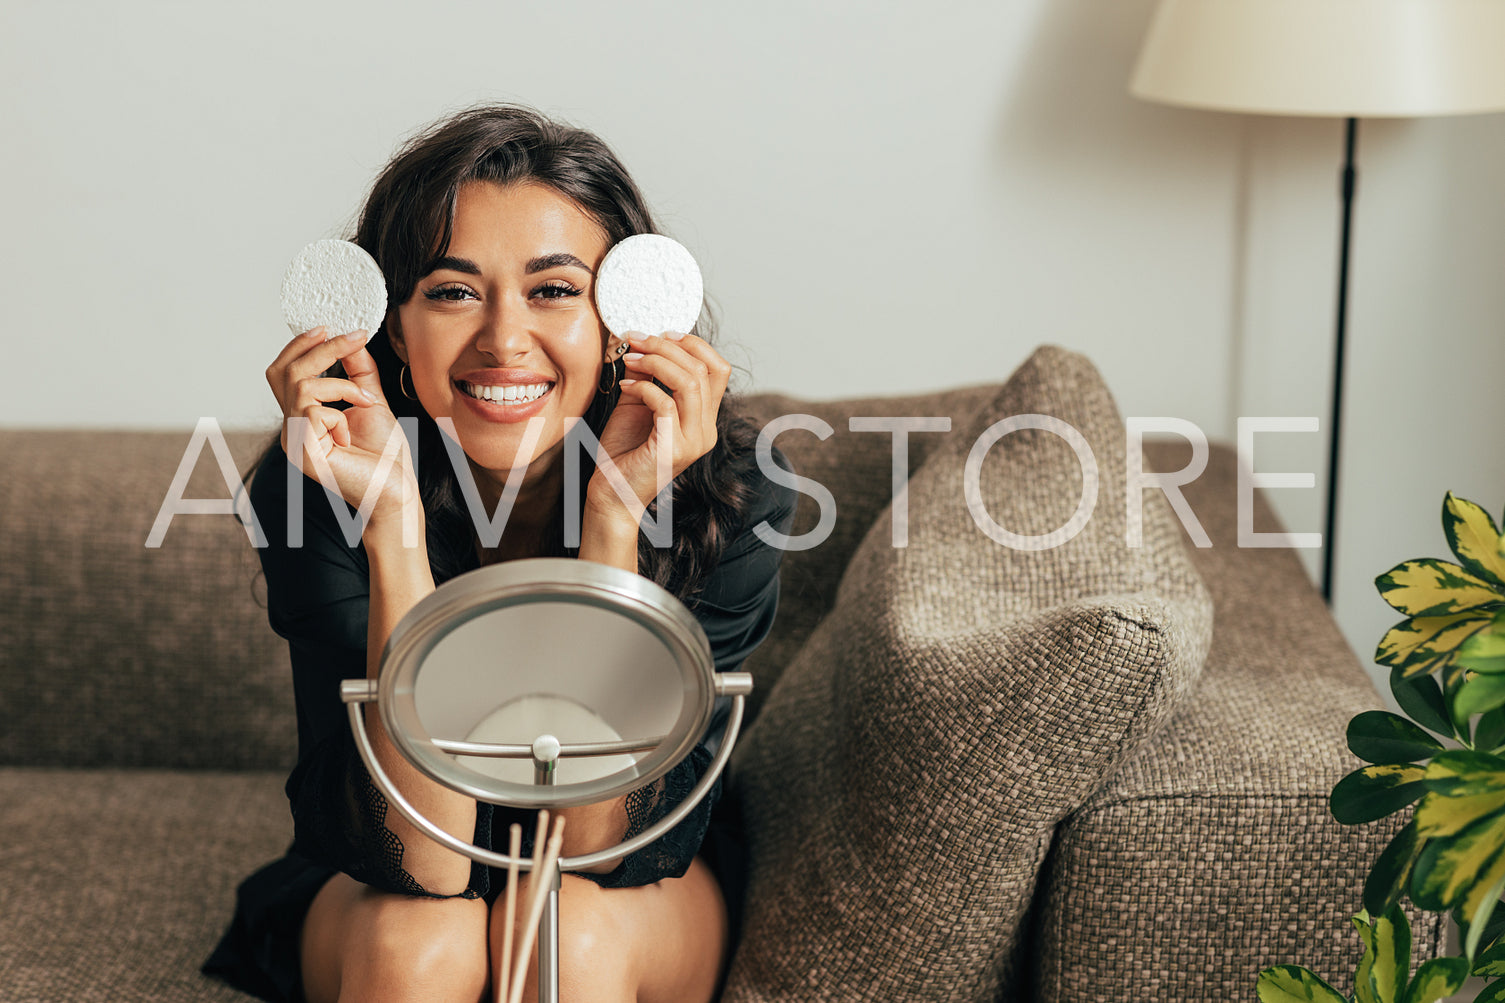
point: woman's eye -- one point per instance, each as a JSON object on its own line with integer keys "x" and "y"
{"x": 556, "y": 290}
{"x": 449, "y": 292}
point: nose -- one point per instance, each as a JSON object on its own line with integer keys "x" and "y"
{"x": 504, "y": 332}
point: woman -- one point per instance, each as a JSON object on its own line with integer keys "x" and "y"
{"x": 489, "y": 228}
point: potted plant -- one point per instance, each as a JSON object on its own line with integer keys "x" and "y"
{"x": 1446, "y": 755}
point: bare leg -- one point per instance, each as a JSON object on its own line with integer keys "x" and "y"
{"x": 662, "y": 943}
{"x": 362, "y": 944}
{"x": 683, "y": 954}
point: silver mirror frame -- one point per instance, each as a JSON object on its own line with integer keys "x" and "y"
{"x": 494, "y": 587}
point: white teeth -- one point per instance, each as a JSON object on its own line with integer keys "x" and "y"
{"x": 511, "y": 392}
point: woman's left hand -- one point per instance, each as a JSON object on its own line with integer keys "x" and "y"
{"x": 654, "y": 427}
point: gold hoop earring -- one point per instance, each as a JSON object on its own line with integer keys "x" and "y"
{"x": 411, "y": 395}
{"x": 610, "y": 367}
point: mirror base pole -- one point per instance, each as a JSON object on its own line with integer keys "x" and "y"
{"x": 548, "y": 944}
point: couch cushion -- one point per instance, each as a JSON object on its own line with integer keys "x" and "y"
{"x": 1218, "y": 833}
{"x": 116, "y": 654}
{"x": 904, "y": 777}
{"x": 855, "y": 466}
{"x": 116, "y": 884}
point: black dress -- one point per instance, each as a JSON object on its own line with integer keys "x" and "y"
{"x": 317, "y": 598}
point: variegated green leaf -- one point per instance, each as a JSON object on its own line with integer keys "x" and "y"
{"x": 1372, "y": 792}
{"x": 1451, "y": 677}
{"x": 1474, "y": 538}
{"x": 1387, "y": 879}
{"x": 1480, "y": 905}
{"x": 1293, "y": 984}
{"x": 1465, "y": 772}
{"x": 1381, "y": 975}
{"x": 1479, "y": 694}
{"x": 1491, "y": 963}
{"x": 1421, "y": 698}
{"x": 1378, "y": 736}
{"x": 1439, "y": 815}
{"x": 1436, "y": 980}
{"x": 1485, "y": 650}
{"x": 1450, "y": 871}
{"x": 1489, "y": 732}
{"x": 1430, "y": 587}
{"x": 1418, "y": 644}
{"x": 1494, "y": 930}
{"x": 1492, "y": 993}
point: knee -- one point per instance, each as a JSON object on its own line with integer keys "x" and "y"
{"x": 588, "y": 925}
{"x": 592, "y": 949}
{"x": 426, "y": 949}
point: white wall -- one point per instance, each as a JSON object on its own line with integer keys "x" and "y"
{"x": 1425, "y": 384}
{"x": 881, "y": 201}
{"x": 883, "y": 197}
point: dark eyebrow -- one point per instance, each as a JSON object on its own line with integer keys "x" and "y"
{"x": 555, "y": 260}
{"x": 453, "y": 264}
{"x": 539, "y": 264}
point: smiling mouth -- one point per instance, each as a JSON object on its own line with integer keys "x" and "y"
{"x": 511, "y": 393}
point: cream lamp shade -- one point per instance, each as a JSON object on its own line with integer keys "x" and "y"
{"x": 1349, "y": 58}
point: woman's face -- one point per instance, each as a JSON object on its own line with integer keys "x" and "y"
{"x": 504, "y": 328}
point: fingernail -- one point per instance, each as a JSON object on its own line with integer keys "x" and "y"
{"x": 317, "y": 332}
{"x": 632, "y": 356}
{"x": 673, "y": 335}
{"x": 371, "y": 396}
{"x": 625, "y": 383}
{"x": 353, "y": 335}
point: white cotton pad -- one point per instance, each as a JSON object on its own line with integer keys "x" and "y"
{"x": 334, "y": 284}
{"x": 650, "y": 284}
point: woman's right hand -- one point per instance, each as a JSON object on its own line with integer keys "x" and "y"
{"x": 353, "y": 452}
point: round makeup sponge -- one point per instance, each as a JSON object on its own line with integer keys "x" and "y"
{"x": 334, "y": 284}
{"x": 650, "y": 284}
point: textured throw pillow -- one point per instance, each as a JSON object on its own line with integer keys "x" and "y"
{"x": 901, "y": 783}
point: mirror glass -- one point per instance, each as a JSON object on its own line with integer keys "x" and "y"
{"x": 578, "y": 672}
{"x": 498, "y": 657}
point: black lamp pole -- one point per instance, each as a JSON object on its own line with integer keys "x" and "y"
{"x": 1349, "y": 182}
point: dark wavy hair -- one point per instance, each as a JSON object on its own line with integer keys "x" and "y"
{"x": 408, "y": 221}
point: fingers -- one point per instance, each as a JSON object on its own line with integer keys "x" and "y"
{"x": 656, "y": 399}
{"x": 692, "y": 371}
{"x": 360, "y": 369}
{"x": 309, "y": 349}
{"x": 327, "y": 389}
{"x": 719, "y": 369}
{"x": 693, "y": 354}
{"x": 332, "y": 422}
{"x": 308, "y": 356}
{"x": 315, "y": 436}
{"x": 293, "y": 349}
{"x": 684, "y": 444}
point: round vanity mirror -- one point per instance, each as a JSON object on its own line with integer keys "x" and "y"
{"x": 547, "y": 683}
{"x": 594, "y": 657}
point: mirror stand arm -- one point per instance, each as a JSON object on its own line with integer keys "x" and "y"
{"x": 355, "y": 693}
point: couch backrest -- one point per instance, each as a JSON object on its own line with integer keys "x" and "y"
{"x": 116, "y": 654}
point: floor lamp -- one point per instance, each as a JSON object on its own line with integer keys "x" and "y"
{"x": 1347, "y": 59}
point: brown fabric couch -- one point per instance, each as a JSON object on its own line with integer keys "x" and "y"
{"x": 148, "y": 729}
